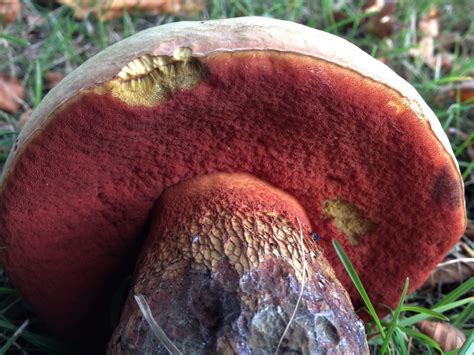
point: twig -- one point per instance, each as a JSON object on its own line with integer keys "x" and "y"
{"x": 159, "y": 333}
{"x": 303, "y": 280}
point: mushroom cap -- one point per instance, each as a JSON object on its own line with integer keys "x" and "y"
{"x": 301, "y": 109}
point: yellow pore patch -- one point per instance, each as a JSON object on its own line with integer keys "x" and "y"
{"x": 348, "y": 219}
{"x": 150, "y": 80}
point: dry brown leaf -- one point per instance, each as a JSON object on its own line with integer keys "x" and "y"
{"x": 11, "y": 91}
{"x": 466, "y": 90}
{"x": 447, "y": 336}
{"x": 428, "y": 27}
{"x": 385, "y": 22}
{"x": 452, "y": 271}
{"x": 426, "y": 50}
{"x": 374, "y": 6}
{"x": 110, "y": 9}
{"x": 9, "y": 10}
{"x": 429, "y": 23}
{"x": 448, "y": 94}
{"x": 24, "y": 118}
{"x": 53, "y": 78}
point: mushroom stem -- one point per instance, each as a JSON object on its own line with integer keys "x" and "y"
{"x": 229, "y": 267}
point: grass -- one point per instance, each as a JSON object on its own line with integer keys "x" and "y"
{"x": 390, "y": 335}
{"x": 48, "y": 38}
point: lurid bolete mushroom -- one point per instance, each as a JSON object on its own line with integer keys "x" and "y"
{"x": 306, "y": 112}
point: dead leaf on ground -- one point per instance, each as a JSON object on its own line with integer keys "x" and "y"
{"x": 426, "y": 51}
{"x": 53, "y": 78}
{"x": 429, "y": 29}
{"x": 466, "y": 91}
{"x": 11, "y": 92}
{"x": 384, "y": 22}
{"x": 9, "y": 10}
{"x": 429, "y": 23}
{"x": 448, "y": 94}
{"x": 452, "y": 271}
{"x": 374, "y": 5}
{"x": 110, "y": 9}
{"x": 447, "y": 336}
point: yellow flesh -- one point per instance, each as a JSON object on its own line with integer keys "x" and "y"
{"x": 348, "y": 219}
{"x": 150, "y": 80}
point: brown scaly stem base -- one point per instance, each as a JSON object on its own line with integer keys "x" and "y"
{"x": 229, "y": 267}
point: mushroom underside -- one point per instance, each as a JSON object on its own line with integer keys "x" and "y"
{"x": 366, "y": 168}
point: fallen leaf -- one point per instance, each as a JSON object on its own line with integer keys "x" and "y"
{"x": 429, "y": 23}
{"x": 9, "y": 10}
{"x": 374, "y": 6}
{"x": 426, "y": 51}
{"x": 384, "y": 22}
{"x": 110, "y": 9}
{"x": 11, "y": 92}
{"x": 53, "y": 78}
{"x": 447, "y": 336}
{"x": 433, "y": 56}
{"x": 24, "y": 118}
{"x": 34, "y": 21}
{"x": 452, "y": 271}
{"x": 466, "y": 91}
{"x": 448, "y": 93}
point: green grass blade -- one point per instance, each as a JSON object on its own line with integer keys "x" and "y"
{"x": 38, "y": 83}
{"x": 423, "y": 310}
{"x": 396, "y": 315}
{"x": 13, "y": 338}
{"x": 466, "y": 314}
{"x": 347, "y": 21}
{"x": 37, "y": 340}
{"x": 421, "y": 337}
{"x": 7, "y": 291}
{"x": 399, "y": 342}
{"x": 447, "y": 307}
{"x": 327, "y": 8}
{"x": 456, "y": 293}
{"x": 468, "y": 346}
{"x": 465, "y": 144}
{"x": 14, "y": 39}
{"x": 358, "y": 284}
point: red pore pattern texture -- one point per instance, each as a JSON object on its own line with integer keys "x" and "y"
{"x": 74, "y": 207}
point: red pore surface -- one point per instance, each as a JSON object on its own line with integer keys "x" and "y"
{"x": 74, "y": 208}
